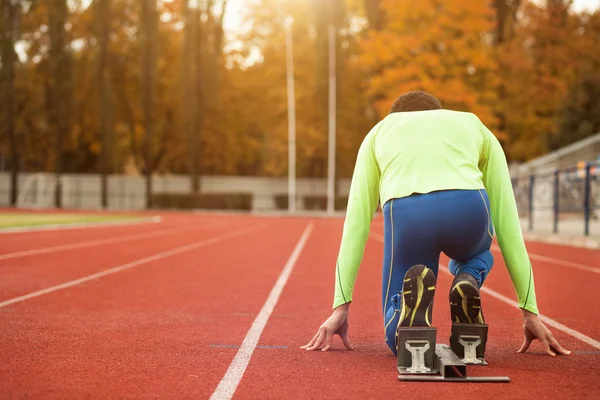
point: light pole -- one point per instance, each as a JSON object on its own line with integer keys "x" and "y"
{"x": 291, "y": 116}
{"x": 332, "y": 122}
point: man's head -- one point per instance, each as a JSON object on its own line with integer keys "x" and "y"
{"x": 415, "y": 101}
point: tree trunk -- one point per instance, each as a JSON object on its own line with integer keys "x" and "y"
{"x": 103, "y": 32}
{"x": 331, "y": 14}
{"x": 60, "y": 85}
{"x": 190, "y": 90}
{"x": 506, "y": 14}
{"x": 198, "y": 84}
{"x": 375, "y": 18}
{"x": 9, "y": 31}
{"x": 217, "y": 53}
{"x": 374, "y": 14}
{"x": 148, "y": 67}
{"x": 202, "y": 51}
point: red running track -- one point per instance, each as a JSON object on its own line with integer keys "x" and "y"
{"x": 170, "y": 326}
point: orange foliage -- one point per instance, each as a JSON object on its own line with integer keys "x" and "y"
{"x": 440, "y": 47}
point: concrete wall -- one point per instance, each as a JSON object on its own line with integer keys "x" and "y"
{"x": 82, "y": 191}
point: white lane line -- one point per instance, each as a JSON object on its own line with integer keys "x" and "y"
{"x": 547, "y": 320}
{"x": 543, "y": 318}
{"x": 90, "y": 243}
{"x": 81, "y": 225}
{"x": 238, "y": 366}
{"x": 556, "y": 261}
{"x": 145, "y": 260}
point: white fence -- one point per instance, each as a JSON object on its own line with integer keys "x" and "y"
{"x": 83, "y": 191}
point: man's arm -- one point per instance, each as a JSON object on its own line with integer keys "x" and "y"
{"x": 497, "y": 182}
{"x": 362, "y": 204}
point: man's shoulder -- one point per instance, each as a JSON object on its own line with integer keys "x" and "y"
{"x": 457, "y": 114}
{"x": 442, "y": 119}
{"x": 428, "y": 114}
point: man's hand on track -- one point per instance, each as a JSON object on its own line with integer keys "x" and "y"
{"x": 534, "y": 329}
{"x": 336, "y": 324}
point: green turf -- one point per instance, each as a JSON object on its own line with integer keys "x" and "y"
{"x": 14, "y": 220}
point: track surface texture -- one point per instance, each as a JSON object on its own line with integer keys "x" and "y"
{"x": 161, "y": 310}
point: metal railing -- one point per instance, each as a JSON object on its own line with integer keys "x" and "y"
{"x": 565, "y": 200}
{"x": 569, "y": 193}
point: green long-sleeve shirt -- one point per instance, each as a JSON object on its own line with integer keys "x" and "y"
{"x": 421, "y": 152}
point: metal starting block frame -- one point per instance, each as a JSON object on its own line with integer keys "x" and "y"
{"x": 468, "y": 342}
{"x": 416, "y": 350}
{"x": 421, "y": 359}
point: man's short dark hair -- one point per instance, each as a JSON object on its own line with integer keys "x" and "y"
{"x": 417, "y": 100}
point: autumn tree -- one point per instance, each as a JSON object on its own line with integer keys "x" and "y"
{"x": 60, "y": 87}
{"x": 578, "y": 115}
{"x": 9, "y": 29}
{"x": 506, "y": 19}
{"x": 157, "y": 85}
{"x": 374, "y": 14}
{"x": 104, "y": 104}
{"x": 537, "y": 65}
{"x": 202, "y": 61}
{"x": 192, "y": 90}
{"x": 443, "y": 48}
{"x": 32, "y": 89}
{"x": 262, "y": 90}
{"x": 128, "y": 63}
{"x": 148, "y": 21}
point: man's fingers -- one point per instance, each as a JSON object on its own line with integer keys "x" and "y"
{"x": 525, "y": 345}
{"x": 315, "y": 340}
{"x": 346, "y": 342}
{"x": 547, "y": 348}
{"x": 319, "y": 341}
{"x": 327, "y": 342}
{"x": 312, "y": 341}
{"x": 556, "y": 347}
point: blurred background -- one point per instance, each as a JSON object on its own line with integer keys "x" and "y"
{"x": 261, "y": 105}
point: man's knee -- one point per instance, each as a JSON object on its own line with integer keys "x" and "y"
{"x": 479, "y": 266}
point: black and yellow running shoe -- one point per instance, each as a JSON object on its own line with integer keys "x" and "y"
{"x": 465, "y": 300}
{"x": 418, "y": 290}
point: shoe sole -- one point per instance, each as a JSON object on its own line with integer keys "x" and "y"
{"x": 465, "y": 303}
{"x": 418, "y": 291}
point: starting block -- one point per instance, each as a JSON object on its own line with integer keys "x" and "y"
{"x": 420, "y": 358}
{"x": 468, "y": 342}
{"x": 416, "y": 350}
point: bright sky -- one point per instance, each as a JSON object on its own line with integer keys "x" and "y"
{"x": 235, "y": 9}
{"x": 234, "y": 17}
{"x": 586, "y": 4}
{"x": 583, "y": 5}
